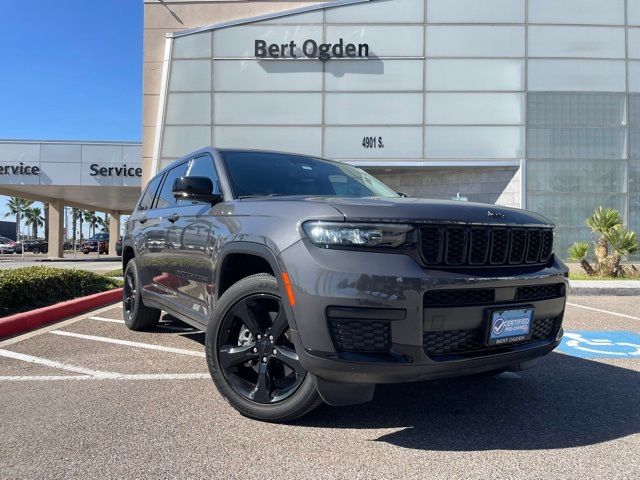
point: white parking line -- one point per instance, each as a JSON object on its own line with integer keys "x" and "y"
{"x": 128, "y": 343}
{"x": 54, "y": 364}
{"x": 604, "y": 311}
{"x": 136, "y": 376}
{"x": 102, "y": 319}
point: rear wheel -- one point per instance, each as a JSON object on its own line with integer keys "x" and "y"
{"x": 137, "y": 316}
{"x": 251, "y": 356}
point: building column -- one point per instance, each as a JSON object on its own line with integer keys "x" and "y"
{"x": 114, "y": 231}
{"x": 56, "y": 228}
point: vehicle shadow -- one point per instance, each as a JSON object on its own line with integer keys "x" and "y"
{"x": 564, "y": 402}
{"x": 169, "y": 324}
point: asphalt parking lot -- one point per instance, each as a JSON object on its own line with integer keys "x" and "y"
{"x": 89, "y": 399}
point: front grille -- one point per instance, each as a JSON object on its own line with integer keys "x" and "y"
{"x": 459, "y": 298}
{"x": 367, "y": 336}
{"x": 476, "y": 245}
{"x": 471, "y": 340}
{"x": 540, "y": 292}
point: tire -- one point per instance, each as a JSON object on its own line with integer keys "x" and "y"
{"x": 36, "y": 251}
{"x": 298, "y": 388}
{"x": 136, "y": 315}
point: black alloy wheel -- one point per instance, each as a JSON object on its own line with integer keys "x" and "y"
{"x": 255, "y": 352}
{"x": 130, "y": 294}
{"x": 137, "y": 316}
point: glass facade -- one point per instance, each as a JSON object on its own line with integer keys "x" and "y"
{"x": 553, "y": 85}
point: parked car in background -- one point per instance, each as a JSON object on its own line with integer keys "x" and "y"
{"x": 314, "y": 281}
{"x": 119, "y": 247}
{"x": 34, "y": 245}
{"x": 7, "y": 245}
{"x": 98, "y": 243}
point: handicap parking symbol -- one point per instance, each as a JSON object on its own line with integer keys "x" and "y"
{"x": 601, "y": 344}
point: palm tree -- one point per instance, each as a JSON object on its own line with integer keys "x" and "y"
{"x": 33, "y": 217}
{"x": 601, "y": 223}
{"x": 93, "y": 220}
{"x": 105, "y": 223}
{"x": 578, "y": 253}
{"x": 16, "y": 207}
{"x": 74, "y": 224}
{"x": 623, "y": 243}
{"x": 46, "y": 221}
{"x": 99, "y": 222}
{"x": 81, "y": 216}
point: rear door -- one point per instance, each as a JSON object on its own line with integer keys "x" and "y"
{"x": 143, "y": 221}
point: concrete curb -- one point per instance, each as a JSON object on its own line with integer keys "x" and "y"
{"x": 614, "y": 288}
{"x": 26, "y": 321}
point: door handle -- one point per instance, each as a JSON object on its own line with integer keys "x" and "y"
{"x": 173, "y": 217}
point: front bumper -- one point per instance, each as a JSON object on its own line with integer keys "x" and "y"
{"x": 394, "y": 285}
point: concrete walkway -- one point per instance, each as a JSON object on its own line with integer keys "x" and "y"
{"x": 605, "y": 287}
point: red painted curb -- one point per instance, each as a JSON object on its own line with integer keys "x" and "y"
{"x": 26, "y": 321}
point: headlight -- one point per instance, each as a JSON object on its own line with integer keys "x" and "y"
{"x": 329, "y": 234}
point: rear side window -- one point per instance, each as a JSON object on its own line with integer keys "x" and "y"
{"x": 166, "y": 198}
{"x": 147, "y": 198}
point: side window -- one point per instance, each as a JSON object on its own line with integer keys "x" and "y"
{"x": 166, "y": 198}
{"x": 150, "y": 192}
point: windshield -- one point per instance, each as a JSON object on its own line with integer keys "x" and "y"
{"x": 261, "y": 174}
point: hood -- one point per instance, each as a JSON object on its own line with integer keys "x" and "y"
{"x": 416, "y": 210}
{"x": 401, "y": 210}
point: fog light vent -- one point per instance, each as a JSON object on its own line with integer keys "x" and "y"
{"x": 360, "y": 336}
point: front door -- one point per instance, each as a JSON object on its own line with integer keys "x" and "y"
{"x": 190, "y": 237}
{"x": 165, "y": 262}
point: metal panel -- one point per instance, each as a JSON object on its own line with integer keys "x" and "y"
{"x": 373, "y": 108}
{"x": 474, "y": 142}
{"x": 474, "y": 11}
{"x": 373, "y": 142}
{"x": 471, "y": 74}
{"x": 272, "y": 108}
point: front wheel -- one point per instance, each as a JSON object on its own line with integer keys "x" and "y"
{"x": 251, "y": 355}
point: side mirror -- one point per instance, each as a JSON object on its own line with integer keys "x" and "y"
{"x": 199, "y": 189}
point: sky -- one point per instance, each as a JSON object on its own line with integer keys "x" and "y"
{"x": 70, "y": 70}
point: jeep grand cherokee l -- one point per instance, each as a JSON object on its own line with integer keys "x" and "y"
{"x": 315, "y": 282}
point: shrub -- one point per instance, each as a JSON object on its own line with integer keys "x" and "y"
{"x": 23, "y": 289}
{"x": 613, "y": 241}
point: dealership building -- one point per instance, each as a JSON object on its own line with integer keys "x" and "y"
{"x": 526, "y": 103}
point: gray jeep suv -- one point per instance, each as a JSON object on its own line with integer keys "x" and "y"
{"x": 315, "y": 282}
